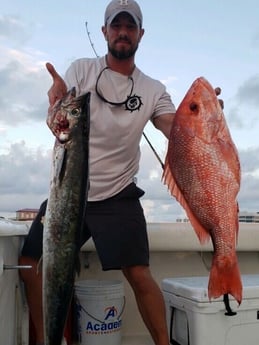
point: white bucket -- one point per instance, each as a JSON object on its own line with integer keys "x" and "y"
{"x": 100, "y": 304}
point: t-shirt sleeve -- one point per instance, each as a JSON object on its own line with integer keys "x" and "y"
{"x": 164, "y": 105}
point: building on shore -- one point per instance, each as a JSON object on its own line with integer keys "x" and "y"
{"x": 26, "y": 213}
{"x": 249, "y": 217}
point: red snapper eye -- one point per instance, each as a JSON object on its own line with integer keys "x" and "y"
{"x": 193, "y": 106}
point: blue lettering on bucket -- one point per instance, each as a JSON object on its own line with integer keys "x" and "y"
{"x": 97, "y": 327}
{"x": 111, "y": 312}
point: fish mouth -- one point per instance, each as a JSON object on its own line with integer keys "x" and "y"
{"x": 61, "y": 130}
{"x": 206, "y": 85}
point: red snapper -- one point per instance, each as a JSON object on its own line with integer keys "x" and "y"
{"x": 202, "y": 171}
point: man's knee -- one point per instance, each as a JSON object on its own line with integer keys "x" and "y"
{"x": 139, "y": 277}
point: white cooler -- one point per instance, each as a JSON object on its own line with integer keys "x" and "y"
{"x": 193, "y": 320}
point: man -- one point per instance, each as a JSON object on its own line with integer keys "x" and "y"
{"x": 123, "y": 100}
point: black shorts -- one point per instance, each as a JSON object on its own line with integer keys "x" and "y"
{"x": 117, "y": 226}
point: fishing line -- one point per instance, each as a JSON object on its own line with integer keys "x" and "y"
{"x": 148, "y": 141}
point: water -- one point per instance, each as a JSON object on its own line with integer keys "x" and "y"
{"x": 8, "y": 215}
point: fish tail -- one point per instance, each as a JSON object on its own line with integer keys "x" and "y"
{"x": 225, "y": 278}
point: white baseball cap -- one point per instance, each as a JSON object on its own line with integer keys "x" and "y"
{"x": 117, "y": 6}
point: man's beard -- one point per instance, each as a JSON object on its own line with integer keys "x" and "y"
{"x": 122, "y": 54}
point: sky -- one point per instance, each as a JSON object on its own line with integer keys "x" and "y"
{"x": 184, "y": 39}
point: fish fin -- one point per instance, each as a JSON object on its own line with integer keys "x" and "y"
{"x": 169, "y": 180}
{"x": 225, "y": 278}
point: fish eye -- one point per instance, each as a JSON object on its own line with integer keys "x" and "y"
{"x": 75, "y": 112}
{"x": 193, "y": 106}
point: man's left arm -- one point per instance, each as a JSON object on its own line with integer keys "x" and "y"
{"x": 164, "y": 123}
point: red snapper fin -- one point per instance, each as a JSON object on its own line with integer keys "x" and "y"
{"x": 175, "y": 191}
{"x": 225, "y": 279}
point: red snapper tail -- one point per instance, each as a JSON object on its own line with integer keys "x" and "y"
{"x": 225, "y": 278}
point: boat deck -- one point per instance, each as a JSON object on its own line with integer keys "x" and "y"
{"x": 174, "y": 252}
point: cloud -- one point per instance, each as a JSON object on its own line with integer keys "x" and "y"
{"x": 248, "y": 92}
{"x": 234, "y": 118}
{"x": 24, "y": 80}
{"x": 25, "y": 175}
{"x": 157, "y": 202}
{"x": 249, "y": 160}
{"x": 244, "y": 108}
{"x": 248, "y": 197}
{"x": 160, "y": 206}
{"x": 249, "y": 192}
{"x": 25, "y": 172}
{"x": 13, "y": 29}
{"x": 23, "y": 87}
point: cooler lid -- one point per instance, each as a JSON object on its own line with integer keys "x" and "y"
{"x": 196, "y": 288}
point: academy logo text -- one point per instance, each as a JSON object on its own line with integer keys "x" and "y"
{"x": 109, "y": 325}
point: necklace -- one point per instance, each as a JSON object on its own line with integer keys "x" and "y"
{"x": 127, "y": 100}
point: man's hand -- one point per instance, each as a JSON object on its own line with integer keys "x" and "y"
{"x": 58, "y": 88}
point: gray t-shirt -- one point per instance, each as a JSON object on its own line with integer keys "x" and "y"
{"x": 115, "y": 131}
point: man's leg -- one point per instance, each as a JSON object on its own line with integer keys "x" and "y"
{"x": 32, "y": 279}
{"x": 150, "y": 302}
